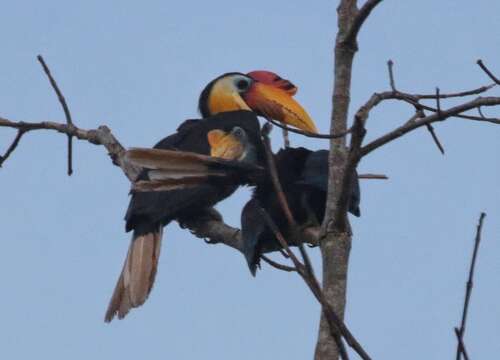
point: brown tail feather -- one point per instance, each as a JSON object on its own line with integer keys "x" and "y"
{"x": 137, "y": 276}
{"x": 169, "y": 184}
{"x": 168, "y": 159}
{"x": 183, "y": 163}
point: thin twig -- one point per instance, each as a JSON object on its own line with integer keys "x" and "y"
{"x": 359, "y": 20}
{"x": 488, "y": 72}
{"x": 411, "y": 99}
{"x": 305, "y": 270}
{"x": 430, "y": 128}
{"x": 308, "y": 133}
{"x": 286, "y": 138}
{"x": 409, "y": 126}
{"x": 100, "y": 136}
{"x": 390, "y": 65}
{"x": 335, "y": 323}
{"x": 476, "y": 91}
{"x": 461, "y": 345}
{"x": 469, "y": 285}
{"x": 418, "y": 106}
{"x": 438, "y": 102}
{"x": 65, "y": 107}
{"x": 373, "y": 176}
{"x": 273, "y": 172}
{"x": 12, "y": 146}
{"x": 277, "y": 265}
{"x": 481, "y": 112}
{"x": 283, "y": 253}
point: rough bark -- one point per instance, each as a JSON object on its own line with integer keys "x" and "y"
{"x": 336, "y": 245}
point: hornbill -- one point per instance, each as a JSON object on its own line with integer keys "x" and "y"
{"x": 231, "y": 100}
{"x": 303, "y": 175}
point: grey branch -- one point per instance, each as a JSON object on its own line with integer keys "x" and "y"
{"x": 100, "y": 136}
{"x": 12, "y": 147}
{"x": 359, "y": 20}
{"x": 468, "y": 290}
{"x": 443, "y": 115}
{"x": 307, "y": 133}
{"x": 461, "y": 345}
{"x": 65, "y": 108}
{"x": 488, "y": 72}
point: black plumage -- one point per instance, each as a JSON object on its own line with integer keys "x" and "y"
{"x": 230, "y": 102}
{"x": 303, "y": 175}
{"x": 149, "y": 212}
{"x": 148, "y": 209}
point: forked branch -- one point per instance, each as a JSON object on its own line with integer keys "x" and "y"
{"x": 305, "y": 269}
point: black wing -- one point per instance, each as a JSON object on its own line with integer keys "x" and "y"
{"x": 146, "y": 209}
{"x": 315, "y": 174}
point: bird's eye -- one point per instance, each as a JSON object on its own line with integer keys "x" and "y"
{"x": 238, "y": 132}
{"x": 242, "y": 84}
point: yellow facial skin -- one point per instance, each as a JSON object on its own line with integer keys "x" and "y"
{"x": 225, "y": 145}
{"x": 224, "y": 97}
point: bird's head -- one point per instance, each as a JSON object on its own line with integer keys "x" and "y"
{"x": 232, "y": 145}
{"x": 262, "y": 92}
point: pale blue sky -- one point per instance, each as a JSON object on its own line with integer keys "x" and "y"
{"x": 139, "y": 67}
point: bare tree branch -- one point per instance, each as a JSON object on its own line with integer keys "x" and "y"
{"x": 278, "y": 265}
{"x": 306, "y": 270}
{"x": 445, "y": 114}
{"x": 413, "y": 99}
{"x": 359, "y": 20}
{"x": 307, "y": 133}
{"x": 336, "y": 324}
{"x": 99, "y": 136}
{"x": 335, "y": 330}
{"x": 418, "y": 106}
{"x": 335, "y": 245}
{"x": 469, "y": 285}
{"x": 435, "y": 138}
{"x": 461, "y": 345}
{"x": 12, "y": 146}
{"x": 65, "y": 107}
{"x": 488, "y": 72}
{"x": 373, "y": 176}
{"x": 476, "y": 91}
{"x": 430, "y": 128}
{"x": 273, "y": 173}
{"x": 390, "y": 67}
{"x": 214, "y": 230}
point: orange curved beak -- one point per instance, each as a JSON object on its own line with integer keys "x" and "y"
{"x": 224, "y": 145}
{"x": 278, "y": 104}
